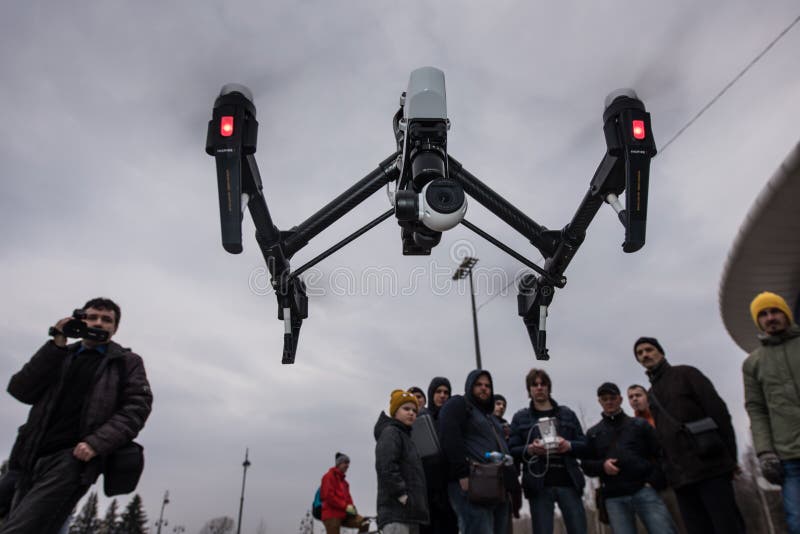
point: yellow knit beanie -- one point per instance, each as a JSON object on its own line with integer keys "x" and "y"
{"x": 769, "y": 300}
{"x": 400, "y": 397}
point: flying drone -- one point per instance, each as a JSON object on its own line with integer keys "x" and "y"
{"x": 429, "y": 197}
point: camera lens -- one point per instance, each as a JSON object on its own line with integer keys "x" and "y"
{"x": 444, "y": 195}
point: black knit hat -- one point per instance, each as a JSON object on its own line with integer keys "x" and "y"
{"x": 341, "y": 458}
{"x": 653, "y": 341}
{"x": 498, "y": 397}
{"x": 606, "y": 388}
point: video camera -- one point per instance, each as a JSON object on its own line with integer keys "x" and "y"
{"x": 429, "y": 197}
{"x": 76, "y": 327}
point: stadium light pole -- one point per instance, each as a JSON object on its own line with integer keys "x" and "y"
{"x": 245, "y": 465}
{"x": 464, "y": 270}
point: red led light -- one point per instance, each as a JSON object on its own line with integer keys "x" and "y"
{"x": 638, "y": 130}
{"x": 226, "y": 126}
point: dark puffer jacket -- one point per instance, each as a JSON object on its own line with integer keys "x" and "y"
{"x": 399, "y": 470}
{"x": 632, "y": 441}
{"x": 687, "y": 395}
{"x": 112, "y": 416}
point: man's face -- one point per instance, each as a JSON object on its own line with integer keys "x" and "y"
{"x": 648, "y": 355}
{"x": 499, "y": 408}
{"x": 441, "y": 395}
{"x": 103, "y": 319}
{"x": 610, "y": 402}
{"x": 772, "y": 321}
{"x": 539, "y": 391}
{"x": 406, "y": 413}
{"x": 343, "y": 467}
{"x": 637, "y": 398}
{"x": 420, "y": 398}
{"x": 482, "y": 388}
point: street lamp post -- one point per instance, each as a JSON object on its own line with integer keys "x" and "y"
{"x": 161, "y": 521}
{"x": 245, "y": 465}
{"x": 465, "y": 269}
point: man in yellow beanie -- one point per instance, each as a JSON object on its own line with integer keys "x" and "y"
{"x": 772, "y": 399}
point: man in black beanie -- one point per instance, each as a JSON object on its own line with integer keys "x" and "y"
{"x": 694, "y": 427}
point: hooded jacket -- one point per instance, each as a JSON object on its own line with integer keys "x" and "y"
{"x": 772, "y": 394}
{"x": 113, "y": 412}
{"x": 432, "y": 409}
{"x": 468, "y": 429}
{"x": 687, "y": 395}
{"x": 335, "y": 494}
{"x": 399, "y": 470}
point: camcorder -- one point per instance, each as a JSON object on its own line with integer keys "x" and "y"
{"x": 77, "y": 328}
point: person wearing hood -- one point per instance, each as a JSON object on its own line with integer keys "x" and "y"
{"x": 700, "y": 467}
{"x": 468, "y": 431}
{"x": 549, "y": 476}
{"x": 402, "y": 498}
{"x": 772, "y": 399}
{"x": 442, "y": 517}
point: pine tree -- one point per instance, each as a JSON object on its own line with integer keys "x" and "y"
{"x": 110, "y": 523}
{"x": 87, "y": 521}
{"x": 134, "y": 520}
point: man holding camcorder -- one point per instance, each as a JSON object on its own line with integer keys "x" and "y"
{"x": 88, "y": 399}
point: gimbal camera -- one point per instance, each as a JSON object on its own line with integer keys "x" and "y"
{"x": 429, "y": 197}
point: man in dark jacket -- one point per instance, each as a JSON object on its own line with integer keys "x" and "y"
{"x": 402, "y": 498}
{"x": 772, "y": 399}
{"x": 88, "y": 399}
{"x": 442, "y": 517}
{"x": 623, "y": 452}
{"x": 549, "y": 476}
{"x": 468, "y": 431}
{"x": 701, "y": 475}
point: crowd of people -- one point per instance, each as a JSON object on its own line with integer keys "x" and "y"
{"x": 670, "y": 463}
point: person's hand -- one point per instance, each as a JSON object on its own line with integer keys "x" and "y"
{"x": 60, "y": 340}
{"x": 350, "y": 510}
{"x": 464, "y": 483}
{"x": 83, "y": 452}
{"x": 564, "y": 446}
{"x": 610, "y": 467}
{"x": 537, "y": 447}
{"x": 771, "y": 467}
{"x": 403, "y": 499}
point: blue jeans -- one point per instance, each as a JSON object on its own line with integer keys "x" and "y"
{"x": 569, "y": 502}
{"x": 474, "y": 518}
{"x": 791, "y": 494}
{"x": 645, "y": 503}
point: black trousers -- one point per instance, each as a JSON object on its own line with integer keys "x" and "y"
{"x": 709, "y": 507}
{"x": 45, "y": 497}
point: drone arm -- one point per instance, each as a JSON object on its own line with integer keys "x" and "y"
{"x": 299, "y": 236}
{"x": 481, "y": 192}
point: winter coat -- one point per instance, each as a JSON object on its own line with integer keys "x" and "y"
{"x": 524, "y": 430}
{"x": 772, "y": 394}
{"x": 335, "y": 494}
{"x": 399, "y": 470}
{"x": 113, "y": 413}
{"x": 633, "y": 442}
{"x": 468, "y": 430}
{"x": 687, "y": 395}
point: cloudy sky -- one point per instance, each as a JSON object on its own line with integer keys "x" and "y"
{"x": 107, "y": 191}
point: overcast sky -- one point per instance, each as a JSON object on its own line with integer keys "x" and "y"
{"x": 107, "y": 191}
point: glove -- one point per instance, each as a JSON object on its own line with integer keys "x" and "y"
{"x": 403, "y": 499}
{"x": 350, "y": 510}
{"x": 771, "y": 467}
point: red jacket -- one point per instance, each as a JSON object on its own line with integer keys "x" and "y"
{"x": 335, "y": 494}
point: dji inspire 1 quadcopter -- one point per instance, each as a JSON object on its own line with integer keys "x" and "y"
{"x": 429, "y": 196}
